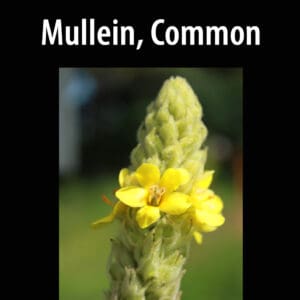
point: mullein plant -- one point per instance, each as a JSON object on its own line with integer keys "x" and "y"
{"x": 164, "y": 199}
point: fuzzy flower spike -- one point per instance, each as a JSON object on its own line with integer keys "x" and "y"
{"x": 164, "y": 199}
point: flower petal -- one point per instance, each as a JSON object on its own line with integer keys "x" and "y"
{"x": 198, "y": 237}
{"x": 175, "y": 203}
{"x": 200, "y": 196}
{"x": 205, "y": 180}
{"x": 118, "y": 208}
{"x": 122, "y": 176}
{"x": 132, "y": 196}
{"x": 102, "y": 221}
{"x": 147, "y": 215}
{"x": 173, "y": 178}
{"x": 126, "y": 178}
{"x": 147, "y": 174}
{"x": 207, "y": 228}
{"x": 212, "y": 205}
{"x": 203, "y": 217}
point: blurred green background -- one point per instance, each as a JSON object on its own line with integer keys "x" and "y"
{"x": 100, "y": 110}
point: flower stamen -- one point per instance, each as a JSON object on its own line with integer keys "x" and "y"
{"x": 155, "y": 195}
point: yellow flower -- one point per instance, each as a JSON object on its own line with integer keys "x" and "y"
{"x": 153, "y": 193}
{"x": 207, "y": 207}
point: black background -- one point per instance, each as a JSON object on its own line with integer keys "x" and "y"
{"x": 35, "y": 173}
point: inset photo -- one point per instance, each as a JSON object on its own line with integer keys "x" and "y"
{"x": 150, "y": 183}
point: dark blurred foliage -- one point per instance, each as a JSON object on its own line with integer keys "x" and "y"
{"x": 111, "y": 118}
